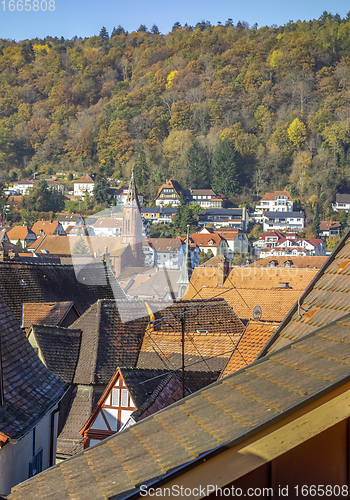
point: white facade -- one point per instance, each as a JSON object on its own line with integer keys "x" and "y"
{"x": 283, "y": 221}
{"x": 22, "y": 187}
{"x": 15, "y": 456}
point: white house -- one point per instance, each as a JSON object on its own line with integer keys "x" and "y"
{"x": 84, "y": 185}
{"x": 23, "y": 234}
{"x": 283, "y": 220}
{"x": 234, "y": 218}
{"x": 29, "y": 413}
{"x": 67, "y": 220}
{"x": 22, "y": 187}
{"x": 278, "y": 201}
{"x": 342, "y": 202}
{"x": 329, "y": 228}
{"x": 168, "y": 252}
{"x": 108, "y": 227}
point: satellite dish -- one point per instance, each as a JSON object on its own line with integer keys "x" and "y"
{"x": 257, "y": 313}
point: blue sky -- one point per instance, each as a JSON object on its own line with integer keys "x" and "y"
{"x": 86, "y": 17}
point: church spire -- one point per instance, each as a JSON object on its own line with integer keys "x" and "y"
{"x": 186, "y": 269}
{"x": 132, "y": 200}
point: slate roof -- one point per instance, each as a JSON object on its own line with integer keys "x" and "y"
{"x": 249, "y": 346}
{"x": 285, "y": 215}
{"x": 212, "y": 330}
{"x": 324, "y": 300}
{"x": 83, "y": 401}
{"x": 107, "y": 342}
{"x": 205, "y": 424}
{"x": 169, "y": 390}
{"x": 52, "y": 313}
{"x": 30, "y": 389}
{"x": 55, "y": 283}
{"x": 60, "y": 349}
{"x": 342, "y": 198}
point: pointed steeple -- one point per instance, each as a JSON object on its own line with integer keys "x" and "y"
{"x": 132, "y": 200}
{"x": 186, "y": 269}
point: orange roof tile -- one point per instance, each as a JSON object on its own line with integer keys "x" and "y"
{"x": 205, "y": 240}
{"x": 19, "y": 233}
{"x": 249, "y": 346}
{"x": 64, "y": 245}
{"x": 52, "y": 313}
{"x": 247, "y": 287}
{"x": 272, "y": 196}
{"x": 86, "y": 178}
{"x": 45, "y": 226}
{"x": 307, "y": 261}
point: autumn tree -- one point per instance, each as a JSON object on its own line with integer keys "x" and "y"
{"x": 297, "y": 133}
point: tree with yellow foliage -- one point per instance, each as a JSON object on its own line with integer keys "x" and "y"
{"x": 297, "y": 133}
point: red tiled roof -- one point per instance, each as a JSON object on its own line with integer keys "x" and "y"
{"x": 205, "y": 240}
{"x": 272, "y": 196}
{"x": 251, "y": 343}
{"x": 52, "y": 313}
{"x": 86, "y": 179}
{"x": 19, "y": 233}
{"x": 325, "y": 225}
{"x": 45, "y": 226}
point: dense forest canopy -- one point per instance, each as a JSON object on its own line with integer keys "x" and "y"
{"x": 274, "y": 101}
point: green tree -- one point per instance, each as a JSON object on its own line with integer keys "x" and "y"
{"x": 104, "y": 34}
{"x": 184, "y": 217}
{"x": 43, "y": 199}
{"x": 197, "y": 167}
{"x": 226, "y": 169}
{"x": 101, "y": 190}
{"x": 205, "y": 256}
{"x": 141, "y": 169}
{"x": 155, "y": 30}
{"x": 316, "y": 223}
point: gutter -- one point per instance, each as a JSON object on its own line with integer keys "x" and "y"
{"x": 52, "y": 433}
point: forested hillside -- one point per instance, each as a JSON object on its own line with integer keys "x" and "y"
{"x": 239, "y": 109}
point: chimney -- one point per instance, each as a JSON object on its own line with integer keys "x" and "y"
{"x": 223, "y": 271}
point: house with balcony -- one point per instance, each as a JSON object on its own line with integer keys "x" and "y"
{"x": 158, "y": 215}
{"x": 84, "y": 185}
{"x": 278, "y": 201}
{"x": 169, "y": 194}
{"x": 282, "y": 221}
{"x": 233, "y": 218}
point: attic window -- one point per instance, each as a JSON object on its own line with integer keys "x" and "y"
{"x": 284, "y": 284}
{"x": 202, "y": 331}
{"x": 22, "y": 283}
